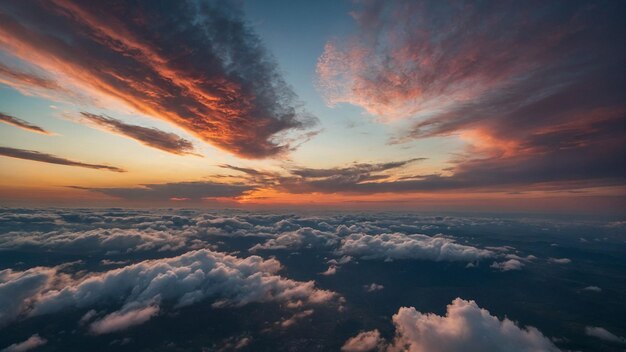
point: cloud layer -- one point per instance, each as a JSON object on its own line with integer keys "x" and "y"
{"x": 124, "y": 273}
{"x": 195, "y": 64}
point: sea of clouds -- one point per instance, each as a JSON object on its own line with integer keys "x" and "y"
{"x": 129, "y": 267}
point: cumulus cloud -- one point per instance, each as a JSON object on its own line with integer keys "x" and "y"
{"x": 332, "y": 270}
{"x": 51, "y": 159}
{"x": 511, "y": 264}
{"x": 545, "y": 109}
{"x": 17, "y": 288}
{"x": 401, "y": 246}
{"x": 210, "y": 74}
{"x": 465, "y": 327}
{"x": 139, "y": 289}
{"x": 122, "y": 320}
{"x": 363, "y": 342}
{"x": 604, "y": 334}
{"x": 184, "y": 279}
{"x": 17, "y": 122}
{"x": 151, "y": 137}
{"x": 32, "y": 342}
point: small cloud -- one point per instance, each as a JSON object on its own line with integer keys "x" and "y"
{"x": 527, "y": 258}
{"x": 363, "y": 342}
{"x": 592, "y": 289}
{"x": 87, "y": 317}
{"x": 17, "y": 122}
{"x": 373, "y": 287}
{"x": 151, "y": 137}
{"x": 332, "y": 270}
{"x": 604, "y": 334}
{"x": 32, "y": 342}
{"x": 511, "y": 264}
{"x": 234, "y": 343}
{"x": 295, "y": 318}
{"x": 122, "y": 320}
{"x": 559, "y": 260}
{"x": 51, "y": 159}
{"x": 113, "y": 262}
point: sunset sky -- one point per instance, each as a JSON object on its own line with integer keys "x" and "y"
{"x": 495, "y": 106}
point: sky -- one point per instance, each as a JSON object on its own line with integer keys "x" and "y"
{"x": 427, "y": 105}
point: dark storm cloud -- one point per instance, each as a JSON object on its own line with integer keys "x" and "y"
{"x": 536, "y": 88}
{"x": 176, "y": 191}
{"x": 152, "y": 137}
{"x": 17, "y": 122}
{"x": 196, "y": 64}
{"x": 51, "y": 159}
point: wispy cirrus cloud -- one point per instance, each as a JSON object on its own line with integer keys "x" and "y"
{"x": 210, "y": 74}
{"x": 535, "y": 89}
{"x": 24, "y": 81}
{"x": 52, "y": 159}
{"x": 151, "y": 137}
{"x": 17, "y": 122}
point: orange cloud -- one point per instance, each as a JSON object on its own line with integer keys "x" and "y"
{"x": 209, "y": 76}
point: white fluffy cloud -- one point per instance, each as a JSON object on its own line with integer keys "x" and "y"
{"x": 17, "y": 288}
{"x": 32, "y": 342}
{"x": 400, "y": 246}
{"x": 186, "y": 279}
{"x": 363, "y": 342}
{"x": 511, "y": 264}
{"x": 465, "y": 327}
{"x": 183, "y": 280}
